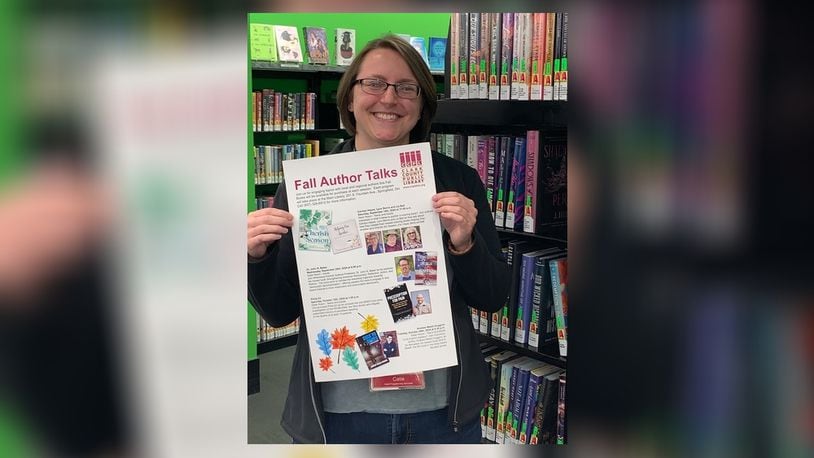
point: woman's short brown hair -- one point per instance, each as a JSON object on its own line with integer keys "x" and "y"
{"x": 421, "y": 131}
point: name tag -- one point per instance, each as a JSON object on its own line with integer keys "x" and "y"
{"x": 408, "y": 381}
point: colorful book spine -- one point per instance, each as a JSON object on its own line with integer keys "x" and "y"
{"x": 517, "y": 49}
{"x": 496, "y": 364}
{"x": 532, "y": 159}
{"x": 529, "y": 406}
{"x": 483, "y": 55}
{"x": 513, "y": 258}
{"x": 506, "y": 53}
{"x": 504, "y": 178}
{"x": 559, "y": 279}
{"x": 453, "y": 55}
{"x": 463, "y": 56}
{"x": 537, "y": 45}
{"x": 564, "y": 59}
{"x": 557, "y": 55}
{"x": 524, "y": 71}
{"x": 496, "y": 24}
{"x": 503, "y": 399}
{"x": 516, "y": 201}
{"x": 526, "y": 288}
{"x": 548, "y": 81}
{"x": 491, "y": 171}
{"x": 474, "y": 53}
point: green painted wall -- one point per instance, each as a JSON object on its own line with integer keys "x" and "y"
{"x": 368, "y": 26}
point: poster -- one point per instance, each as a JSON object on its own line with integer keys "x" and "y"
{"x": 371, "y": 263}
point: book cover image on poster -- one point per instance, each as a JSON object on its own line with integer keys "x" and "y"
{"x": 399, "y": 303}
{"x": 288, "y": 43}
{"x": 426, "y": 268}
{"x": 372, "y": 351}
{"x": 345, "y": 46}
{"x": 316, "y": 42}
{"x": 344, "y": 236}
{"x": 438, "y": 51}
{"x": 314, "y": 235}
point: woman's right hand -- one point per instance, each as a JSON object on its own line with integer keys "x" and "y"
{"x": 266, "y": 226}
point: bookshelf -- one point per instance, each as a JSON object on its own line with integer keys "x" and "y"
{"x": 473, "y": 120}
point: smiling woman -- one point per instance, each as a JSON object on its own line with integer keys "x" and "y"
{"x": 387, "y": 98}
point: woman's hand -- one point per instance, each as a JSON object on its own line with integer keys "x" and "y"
{"x": 265, "y": 227}
{"x": 458, "y": 215}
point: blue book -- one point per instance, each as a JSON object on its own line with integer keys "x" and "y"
{"x": 438, "y": 52}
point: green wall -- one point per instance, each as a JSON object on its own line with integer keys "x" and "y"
{"x": 368, "y": 26}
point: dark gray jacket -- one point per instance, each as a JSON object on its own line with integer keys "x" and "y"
{"x": 479, "y": 278}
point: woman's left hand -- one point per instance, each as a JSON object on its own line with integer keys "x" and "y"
{"x": 458, "y": 215}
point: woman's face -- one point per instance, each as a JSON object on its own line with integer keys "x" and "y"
{"x": 386, "y": 119}
{"x": 411, "y": 234}
{"x": 391, "y": 239}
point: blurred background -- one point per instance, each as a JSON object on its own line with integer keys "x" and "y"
{"x": 122, "y": 229}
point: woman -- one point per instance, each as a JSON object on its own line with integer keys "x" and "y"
{"x": 391, "y": 241}
{"x": 412, "y": 238}
{"x": 387, "y": 97}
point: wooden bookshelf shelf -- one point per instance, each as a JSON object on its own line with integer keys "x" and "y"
{"x": 476, "y": 114}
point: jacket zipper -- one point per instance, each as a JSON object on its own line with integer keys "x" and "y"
{"x": 314, "y": 401}
{"x": 460, "y": 378}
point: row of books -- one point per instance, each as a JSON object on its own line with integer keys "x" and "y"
{"x": 282, "y": 43}
{"x": 524, "y": 176}
{"x": 509, "y": 56}
{"x": 536, "y": 311}
{"x": 266, "y": 332}
{"x": 274, "y": 111}
{"x": 268, "y": 159}
{"x": 527, "y": 400}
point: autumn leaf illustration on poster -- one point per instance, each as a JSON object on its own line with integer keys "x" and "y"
{"x": 373, "y": 303}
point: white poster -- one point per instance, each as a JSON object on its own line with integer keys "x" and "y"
{"x": 371, "y": 262}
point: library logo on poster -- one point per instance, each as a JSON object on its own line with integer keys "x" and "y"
{"x": 412, "y": 172}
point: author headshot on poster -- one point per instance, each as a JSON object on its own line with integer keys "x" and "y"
{"x": 412, "y": 238}
{"x": 374, "y": 244}
{"x": 405, "y": 268}
{"x": 390, "y": 347}
{"x": 421, "y": 306}
{"x": 392, "y": 240}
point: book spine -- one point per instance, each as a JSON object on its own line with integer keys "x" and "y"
{"x": 530, "y": 216}
{"x": 491, "y": 161}
{"x": 495, "y": 172}
{"x": 503, "y": 403}
{"x": 474, "y": 54}
{"x": 525, "y": 59}
{"x": 519, "y": 399}
{"x": 557, "y": 55}
{"x": 453, "y": 55}
{"x": 483, "y": 56}
{"x": 548, "y": 429}
{"x": 506, "y": 147}
{"x": 517, "y": 49}
{"x": 513, "y": 262}
{"x": 463, "y": 56}
{"x": 475, "y": 317}
{"x": 564, "y": 59}
{"x": 483, "y": 322}
{"x": 494, "y": 55}
{"x": 538, "y": 38}
{"x": 509, "y": 419}
{"x": 562, "y": 338}
{"x": 516, "y": 204}
{"x": 506, "y": 52}
{"x": 528, "y": 408}
{"x": 548, "y": 82}
{"x": 524, "y": 299}
{"x": 562, "y": 435}
{"x": 536, "y": 303}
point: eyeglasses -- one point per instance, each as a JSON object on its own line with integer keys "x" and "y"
{"x": 375, "y": 86}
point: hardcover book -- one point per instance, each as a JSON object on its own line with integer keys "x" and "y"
{"x": 345, "y": 46}
{"x": 546, "y": 182}
{"x": 288, "y": 43}
{"x": 562, "y": 430}
{"x": 314, "y": 230}
{"x": 317, "y": 45}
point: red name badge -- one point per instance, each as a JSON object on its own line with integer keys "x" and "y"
{"x": 408, "y": 381}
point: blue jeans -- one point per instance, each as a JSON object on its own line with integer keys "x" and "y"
{"x": 414, "y": 428}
